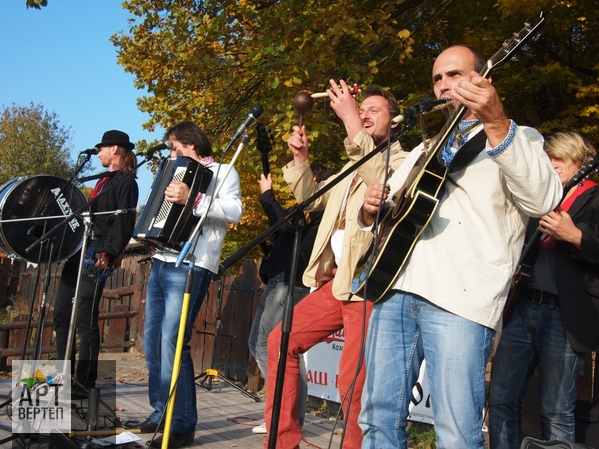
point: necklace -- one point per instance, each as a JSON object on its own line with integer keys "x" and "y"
{"x": 460, "y": 137}
{"x": 457, "y": 140}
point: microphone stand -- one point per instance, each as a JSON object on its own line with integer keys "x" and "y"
{"x": 92, "y": 177}
{"x": 170, "y": 406}
{"x": 295, "y": 216}
{"x": 81, "y": 211}
{"x": 37, "y": 347}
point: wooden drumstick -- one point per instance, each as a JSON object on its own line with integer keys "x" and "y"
{"x": 302, "y": 103}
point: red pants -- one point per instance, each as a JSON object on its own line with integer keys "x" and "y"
{"x": 316, "y": 317}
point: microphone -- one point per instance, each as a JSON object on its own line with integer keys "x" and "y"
{"x": 166, "y": 145}
{"x": 425, "y": 104}
{"x": 137, "y": 210}
{"x": 255, "y": 112}
{"x": 92, "y": 151}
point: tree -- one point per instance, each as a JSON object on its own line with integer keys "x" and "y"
{"x": 32, "y": 142}
{"x": 210, "y": 60}
{"x": 37, "y": 4}
{"x": 552, "y": 84}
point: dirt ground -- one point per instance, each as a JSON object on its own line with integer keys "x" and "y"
{"x": 130, "y": 366}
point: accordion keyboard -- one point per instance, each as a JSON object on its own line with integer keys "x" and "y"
{"x": 166, "y": 206}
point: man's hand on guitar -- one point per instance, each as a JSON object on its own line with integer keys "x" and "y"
{"x": 372, "y": 200}
{"x": 102, "y": 260}
{"x": 560, "y": 226}
{"x": 480, "y": 96}
{"x": 265, "y": 182}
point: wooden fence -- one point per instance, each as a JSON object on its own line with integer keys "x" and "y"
{"x": 219, "y": 339}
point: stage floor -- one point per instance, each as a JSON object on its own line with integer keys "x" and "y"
{"x": 226, "y": 418}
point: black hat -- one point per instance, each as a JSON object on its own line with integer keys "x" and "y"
{"x": 115, "y": 137}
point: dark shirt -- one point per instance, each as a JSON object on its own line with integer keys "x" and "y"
{"x": 112, "y": 232}
{"x": 280, "y": 256}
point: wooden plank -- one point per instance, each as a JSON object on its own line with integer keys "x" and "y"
{"x": 138, "y": 303}
{"x": 117, "y": 329}
{"x": 13, "y": 352}
{"x": 5, "y": 273}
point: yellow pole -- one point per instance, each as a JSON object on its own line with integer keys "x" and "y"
{"x": 177, "y": 362}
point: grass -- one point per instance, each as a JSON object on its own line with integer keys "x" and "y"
{"x": 421, "y": 436}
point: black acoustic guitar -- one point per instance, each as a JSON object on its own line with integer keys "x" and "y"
{"x": 418, "y": 198}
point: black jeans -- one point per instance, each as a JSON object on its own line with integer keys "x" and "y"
{"x": 87, "y": 328}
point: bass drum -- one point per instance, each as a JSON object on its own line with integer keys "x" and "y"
{"x": 32, "y": 198}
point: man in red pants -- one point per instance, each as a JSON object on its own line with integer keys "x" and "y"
{"x": 337, "y": 249}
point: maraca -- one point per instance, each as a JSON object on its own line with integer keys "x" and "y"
{"x": 302, "y": 103}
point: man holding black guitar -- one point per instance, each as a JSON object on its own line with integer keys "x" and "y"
{"x": 338, "y": 246}
{"x": 275, "y": 273}
{"x": 445, "y": 299}
{"x": 555, "y": 316}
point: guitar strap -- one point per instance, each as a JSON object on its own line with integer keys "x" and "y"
{"x": 468, "y": 152}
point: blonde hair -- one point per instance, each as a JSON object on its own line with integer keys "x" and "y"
{"x": 569, "y": 146}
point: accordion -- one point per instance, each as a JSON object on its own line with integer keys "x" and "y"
{"x": 167, "y": 225}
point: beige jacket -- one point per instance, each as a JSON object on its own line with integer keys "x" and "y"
{"x": 321, "y": 267}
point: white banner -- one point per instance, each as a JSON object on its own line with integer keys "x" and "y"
{"x": 322, "y": 369}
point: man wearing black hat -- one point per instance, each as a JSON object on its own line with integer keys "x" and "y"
{"x": 110, "y": 233}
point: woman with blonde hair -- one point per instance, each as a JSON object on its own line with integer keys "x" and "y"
{"x": 555, "y": 318}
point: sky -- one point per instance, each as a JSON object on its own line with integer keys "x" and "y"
{"x": 61, "y": 57}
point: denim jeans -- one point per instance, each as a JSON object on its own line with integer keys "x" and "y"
{"x": 163, "y": 314}
{"x": 86, "y": 325}
{"x": 268, "y": 314}
{"x": 533, "y": 337}
{"x": 403, "y": 330}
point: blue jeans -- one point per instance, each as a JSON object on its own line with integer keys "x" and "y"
{"x": 404, "y": 329}
{"x": 268, "y": 314}
{"x": 533, "y": 337}
{"x": 163, "y": 314}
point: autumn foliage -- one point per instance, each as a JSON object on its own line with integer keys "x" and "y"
{"x": 209, "y": 61}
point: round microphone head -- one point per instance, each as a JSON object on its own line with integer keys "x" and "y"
{"x": 426, "y": 103}
{"x": 256, "y": 110}
{"x": 168, "y": 144}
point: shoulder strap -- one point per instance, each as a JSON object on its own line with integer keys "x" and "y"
{"x": 468, "y": 152}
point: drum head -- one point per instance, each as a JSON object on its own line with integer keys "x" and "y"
{"x": 33, "y": 198}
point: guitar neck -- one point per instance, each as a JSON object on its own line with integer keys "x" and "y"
{"x": 265, "y": 164}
